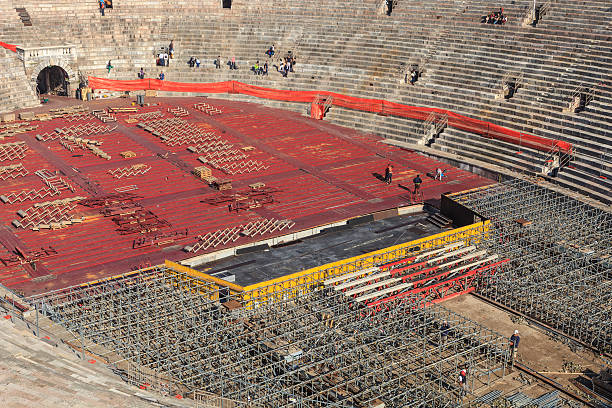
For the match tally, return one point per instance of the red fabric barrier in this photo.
(378, 106)
(9, 47)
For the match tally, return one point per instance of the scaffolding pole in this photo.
(560, 270)
(169, 332)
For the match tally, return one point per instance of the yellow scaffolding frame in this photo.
(297, 283)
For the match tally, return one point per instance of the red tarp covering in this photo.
(379, 106)
(9, 47)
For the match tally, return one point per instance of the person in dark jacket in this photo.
(444, 329)
(514, 343)
(389, 174)
(417, 183)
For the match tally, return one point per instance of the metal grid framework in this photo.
(560, 271)
(313, 350)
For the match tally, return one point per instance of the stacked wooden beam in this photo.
(179, 111)
(104, 116)
(13, 171)
(13, 151)
(134, 170)
(208, 109)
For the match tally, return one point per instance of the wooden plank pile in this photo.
(104, 116)
(13, 171)
(9, 130)
(134, 170)
(232, 234)
(147, 116)
(51, 216)
(13, 151)
(208, 109)
(203, 172)
(178, 112)
(123, 109)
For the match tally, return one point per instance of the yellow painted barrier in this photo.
(203, 276)
(292, 285)
(123, 275)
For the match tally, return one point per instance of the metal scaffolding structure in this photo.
(560, 270)
(168, 331)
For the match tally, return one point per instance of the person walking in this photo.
(171, 49)
(389, 174)
(102, 7)
(109, 66)
(162, 76)
(515, 339)
(444, 329)
(463, 382)
(417, 184)
(218, 62)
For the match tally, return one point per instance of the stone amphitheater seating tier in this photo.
(354, 49)
(36, 372)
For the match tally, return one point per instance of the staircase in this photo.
(433, 126)
(440, 221)
(24, 16)
(432, 275)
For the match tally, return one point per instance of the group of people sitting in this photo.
(414, 75)
(194, 62)
(496, 17)
(231, 63)
(163, 60)
(260, 69)
(285, 65)
(164, 57)
(142, 74)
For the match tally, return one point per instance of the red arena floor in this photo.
(146, 205)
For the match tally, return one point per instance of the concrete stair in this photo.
(439, 220)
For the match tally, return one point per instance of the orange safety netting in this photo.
(9, 47)
(379, 106)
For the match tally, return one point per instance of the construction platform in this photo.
(262, 262)
(110, 187)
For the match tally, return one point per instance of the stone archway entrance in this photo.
(52, 80)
